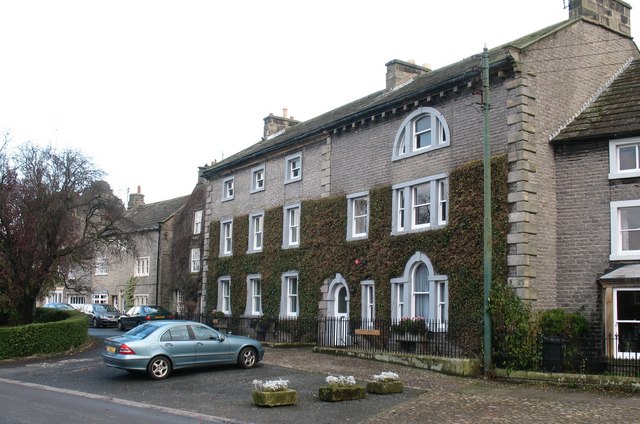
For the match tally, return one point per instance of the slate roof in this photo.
(432, 82)
(614, 114)
(149, 217)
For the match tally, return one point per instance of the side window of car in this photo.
(203, 333)
(179, 333)
(166, 337)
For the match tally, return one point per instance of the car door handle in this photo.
(200, 344)
(168, 344)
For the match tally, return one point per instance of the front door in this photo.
(339, 312)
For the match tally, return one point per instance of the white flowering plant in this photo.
(340, 381)
(386, 376)
(278, 385)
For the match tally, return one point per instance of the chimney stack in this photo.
(275, 124)
(136, 199)
(399, 72)
(614, 14)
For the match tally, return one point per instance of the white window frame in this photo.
(405, 143)
(178, 297)
(257, 184)
(289, 229)
(352, 218)
(254, 295)
(141, 267)
(76, 300)
(614, 158)
(403, 220)
(197, 221)
(224, 295)
(290, 170)
(101, 266)
(226, 237)
(368, 302)
(195, 259)
(290, 300)
(256, 232)
(228, 189)
(403, 294)
(140, 299)
(101, 298)
(616, 240)
(616, 322)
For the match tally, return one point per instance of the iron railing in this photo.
(611, 355)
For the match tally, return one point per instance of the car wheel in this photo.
(248, 357)
(159, 368)
(94, 323)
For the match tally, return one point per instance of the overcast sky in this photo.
(153, 89)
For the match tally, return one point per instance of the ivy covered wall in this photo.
(455, 250)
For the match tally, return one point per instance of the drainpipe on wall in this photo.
(158, 263)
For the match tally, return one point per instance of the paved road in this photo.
(224, 392)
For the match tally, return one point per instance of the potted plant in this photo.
(385, 383)
(410, 326)
(273, 393)
(341, 388)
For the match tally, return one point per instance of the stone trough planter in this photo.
(385, 387)
(278, 398)
(340, 393)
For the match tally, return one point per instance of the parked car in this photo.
(59, 305)
(159, 347)
(100, 314)
(143, 313)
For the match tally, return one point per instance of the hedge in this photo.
(44, 338)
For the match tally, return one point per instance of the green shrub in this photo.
(560, 323)
(50, 315)
(44, 338)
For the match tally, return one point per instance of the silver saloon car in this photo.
(158, 347)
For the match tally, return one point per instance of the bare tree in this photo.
(55, 215)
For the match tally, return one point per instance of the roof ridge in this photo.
(592, 99)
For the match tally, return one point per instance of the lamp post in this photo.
(488, 242)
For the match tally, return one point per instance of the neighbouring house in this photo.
(374, 209)
(164, 269)
(597, 159)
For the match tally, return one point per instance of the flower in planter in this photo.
(410, 325)
(385, 383)
(341, 388)
(386, 376)
(340, 380)
(271, 385)
(273, 393)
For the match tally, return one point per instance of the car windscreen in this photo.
(141, 331)
(156, 310)
(105, 308)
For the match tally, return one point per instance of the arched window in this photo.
(420, 292)
(423, 130)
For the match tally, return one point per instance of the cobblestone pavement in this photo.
(449, 399)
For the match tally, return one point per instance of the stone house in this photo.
(370, 210)
(599, 204)
(165, 267)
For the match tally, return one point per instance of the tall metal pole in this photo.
(488, 242)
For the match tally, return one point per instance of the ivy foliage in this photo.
(455, 250)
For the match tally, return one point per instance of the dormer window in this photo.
(422, 131)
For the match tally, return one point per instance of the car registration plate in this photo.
(111, 349)
(159, 316)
